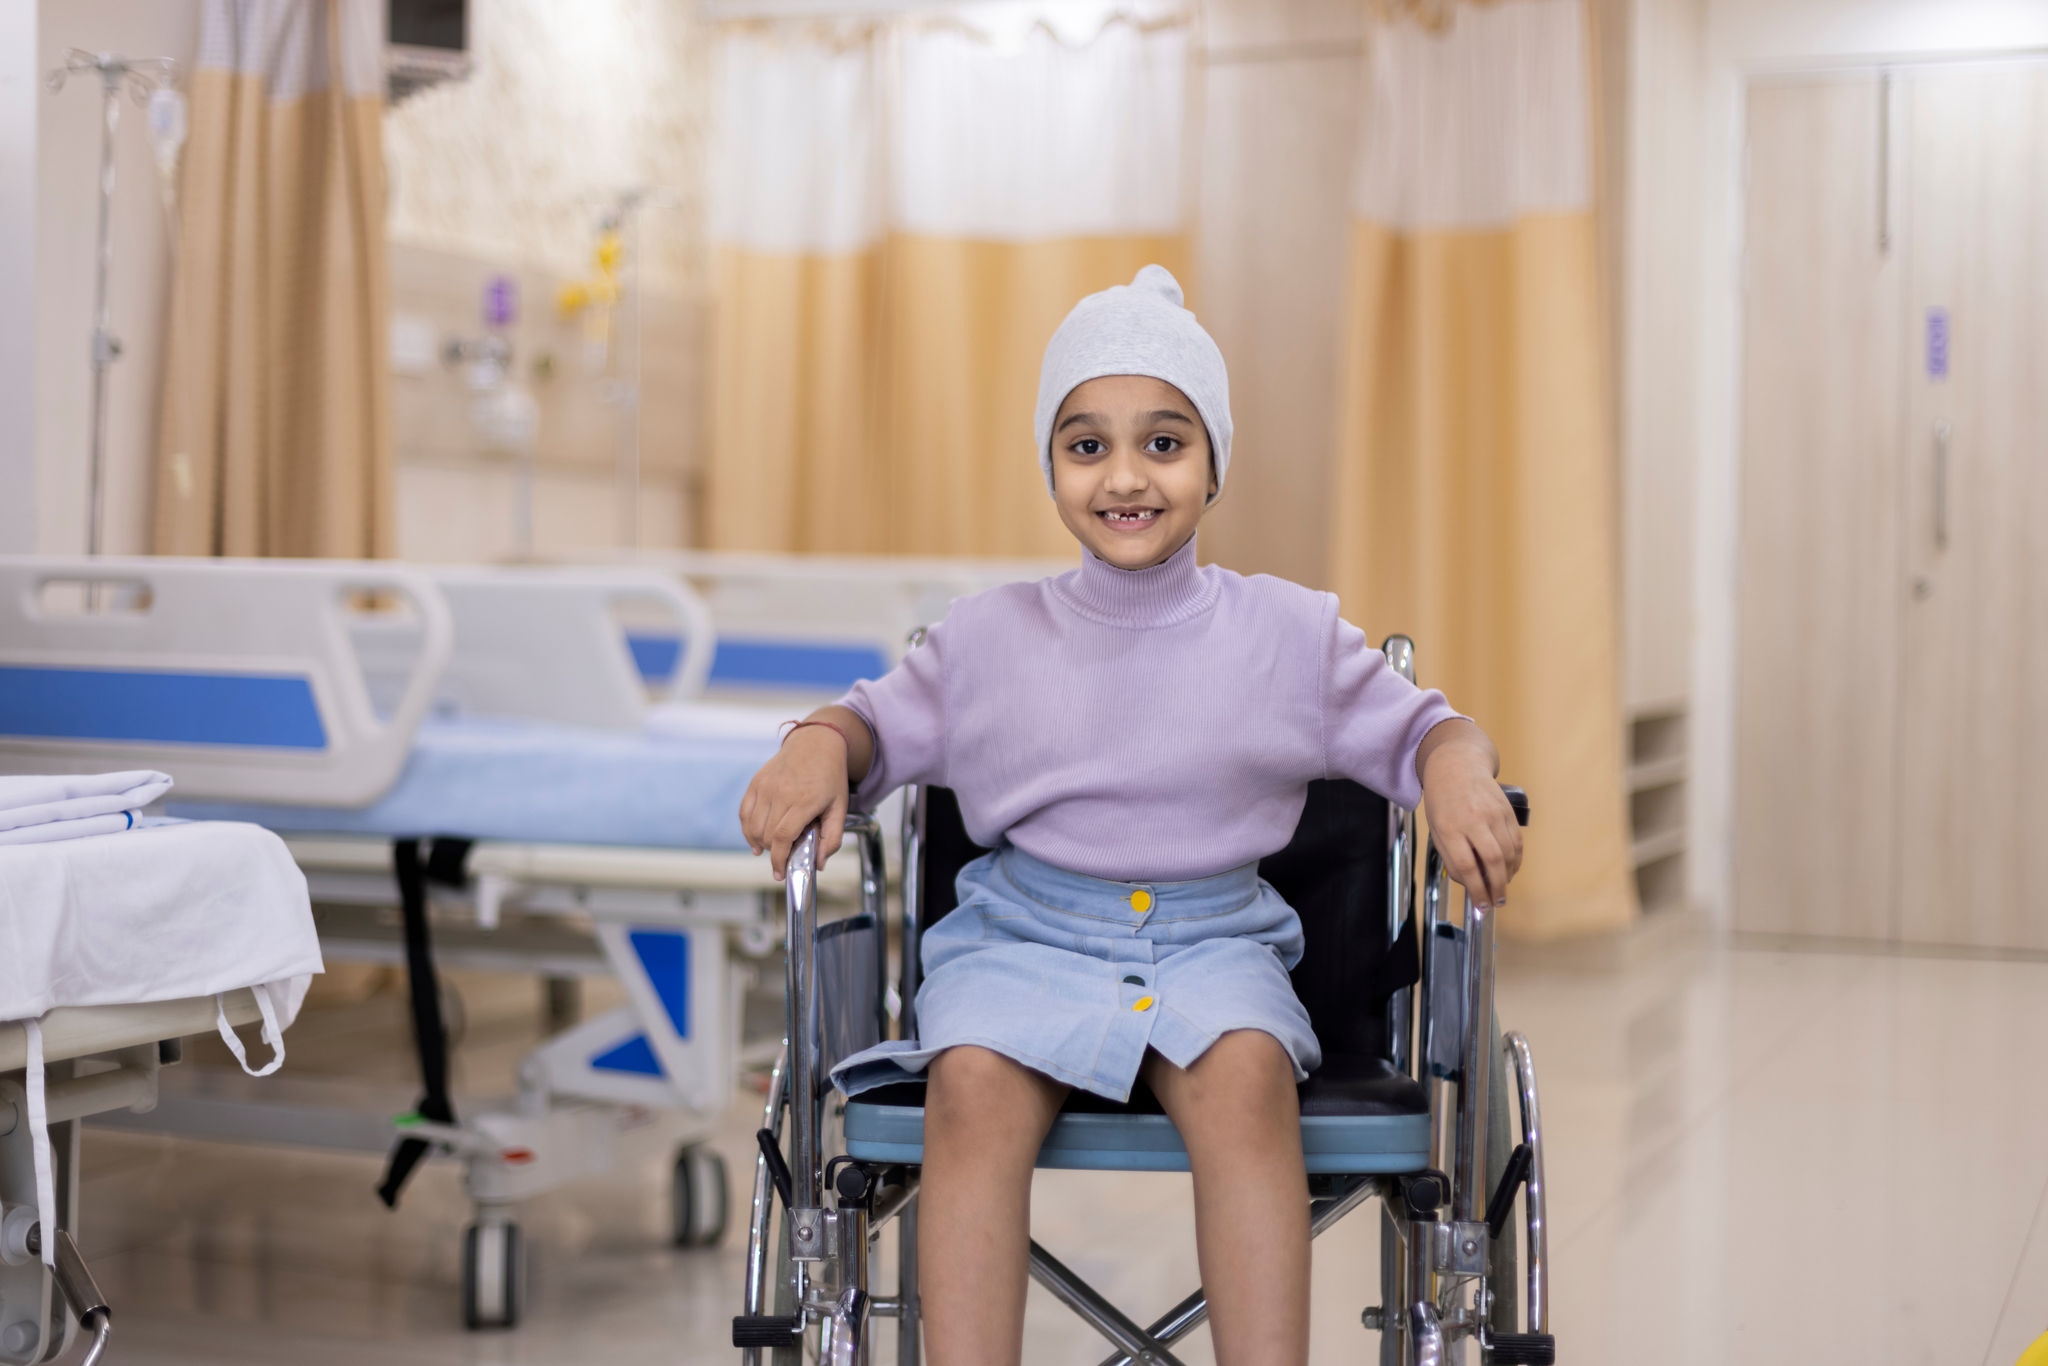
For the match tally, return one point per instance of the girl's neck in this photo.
(1171, 591)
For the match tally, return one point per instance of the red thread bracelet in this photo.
(795, 726)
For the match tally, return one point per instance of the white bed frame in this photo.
(100, 1059)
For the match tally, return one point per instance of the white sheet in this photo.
(157, 914)
(154, 914)
(40, 809)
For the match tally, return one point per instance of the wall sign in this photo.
(1937, 343)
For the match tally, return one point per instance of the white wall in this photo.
(17, 275)
(67, 136)
(1658, 360)
(1744, 37)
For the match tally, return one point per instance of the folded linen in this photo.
(36, 809)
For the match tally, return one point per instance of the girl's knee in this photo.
(972, 1082)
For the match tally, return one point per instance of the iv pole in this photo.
(142, 76)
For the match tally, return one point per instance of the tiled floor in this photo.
(1757, 1155)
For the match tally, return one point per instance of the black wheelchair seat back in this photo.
(1333, 873)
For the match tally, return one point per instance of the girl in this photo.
(1131, 738)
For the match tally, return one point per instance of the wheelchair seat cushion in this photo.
(1358, 1115)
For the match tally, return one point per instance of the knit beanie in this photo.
(1141, 328)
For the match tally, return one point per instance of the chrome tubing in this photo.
(758, 1228)
(1517, 1046)
(1475, 1066)
(1177, 1322)
(1425, 1334)
(1104, 1317)
(874, 902)
(805, 1043)
(102, 1331)
(850, 1311)
(1400, 653)
(87, 1304)
(912, 974)
(1436, 898)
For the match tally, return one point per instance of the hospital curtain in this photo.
(276, 419)
(1475, 499)
(904, 216)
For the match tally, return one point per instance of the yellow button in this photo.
(1142, 1003)
(1141, 901)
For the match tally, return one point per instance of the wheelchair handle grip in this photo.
(1519, 800)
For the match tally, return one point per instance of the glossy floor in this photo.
(1757, 1155)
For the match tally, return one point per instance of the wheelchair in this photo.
(1409, 1105)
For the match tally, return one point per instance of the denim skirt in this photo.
(1076, 977)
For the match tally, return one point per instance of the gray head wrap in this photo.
(1141, 328)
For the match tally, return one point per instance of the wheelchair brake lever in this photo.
(1511, 1177)
(778, 1170)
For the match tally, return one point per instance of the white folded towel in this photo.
(37, 809)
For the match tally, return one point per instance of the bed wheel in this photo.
(493, 1272)
(697, 1197)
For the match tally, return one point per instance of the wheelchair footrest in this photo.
(1524, 1349)
(772, 1330)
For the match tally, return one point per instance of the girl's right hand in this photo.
(806, 781)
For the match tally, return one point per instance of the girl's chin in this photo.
(1126, 551)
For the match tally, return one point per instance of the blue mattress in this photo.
(531, 782)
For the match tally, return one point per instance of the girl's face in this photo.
(1130, 468)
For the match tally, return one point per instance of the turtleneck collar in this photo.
(1165, 594)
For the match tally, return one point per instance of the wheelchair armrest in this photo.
(1519, 800)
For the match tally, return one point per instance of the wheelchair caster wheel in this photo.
(697, 1198)
(493, 1270)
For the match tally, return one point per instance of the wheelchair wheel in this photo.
(493, 1269)
(832, 1141)
(1503, 1261)
(698, 1197)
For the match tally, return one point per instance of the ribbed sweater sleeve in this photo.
(906, 711)
(1373, 719)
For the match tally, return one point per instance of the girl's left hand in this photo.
(1470, 818)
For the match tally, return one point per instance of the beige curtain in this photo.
(904, 212)
(276, 428)
(1475, 503)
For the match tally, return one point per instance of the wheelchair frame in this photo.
(1444, 1264)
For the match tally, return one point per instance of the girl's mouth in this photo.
(1129, 519)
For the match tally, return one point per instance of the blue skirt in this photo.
(1076, 976)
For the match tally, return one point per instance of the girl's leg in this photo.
(1237, 1111)
(984, 1119)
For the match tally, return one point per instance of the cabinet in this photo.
(1892, 702)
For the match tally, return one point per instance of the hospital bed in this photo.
(357, 709)
(121, 945)
(796, 630)
(506, 710)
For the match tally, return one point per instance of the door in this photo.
(1973, 741)
(1818, 597)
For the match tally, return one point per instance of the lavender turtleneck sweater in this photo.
(1150, 725)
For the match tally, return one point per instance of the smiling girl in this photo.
(1130, 739)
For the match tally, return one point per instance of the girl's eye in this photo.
(1163, 445)
(1088, 445)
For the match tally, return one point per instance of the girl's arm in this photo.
(811, 776)
(1470, 819)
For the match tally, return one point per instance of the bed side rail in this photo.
(566, 643)
(794, 627)
(237, 677)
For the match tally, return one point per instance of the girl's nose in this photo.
(1126, 474)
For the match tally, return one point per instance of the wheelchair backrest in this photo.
(1333, 872)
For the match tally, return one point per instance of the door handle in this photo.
(1941, 436)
